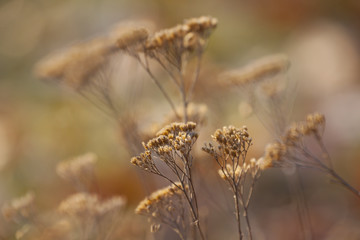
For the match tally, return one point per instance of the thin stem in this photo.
(323, 148)
(245, 207)
(183, 98)
(157, 83)
(194, 198)
(237, 209)
(248, 226)
(344, 183)
(197, 73)
(168, 71)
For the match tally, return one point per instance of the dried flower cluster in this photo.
(176, 137)
(171, 49)
(166, 206)
(91, 217)
(79, 64)
(266, 89)
(230, 155)
(263, 68)
(171, 44)
(196, 113)
(292, 145)
(130, 39)
(79, 171)
(85, 205)
(19, 209)
(294, 149)
(173, 146)
(313, 125)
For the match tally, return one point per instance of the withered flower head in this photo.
(274, 154)
(165, 206)
(201, 24)
(232, 141)
(314, 124)
(79, 169)
(84, 205)
(130, 37)
(183, 37)
(19, 208)
(260, 69)
(111, 206)
(76, 65)
(174, 137)
(79, 205)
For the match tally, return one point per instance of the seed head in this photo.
(165, 206)
(77, 65)
(79, 169)
(127, 38)
(263, 68)
(19, 208)
(79, 205)
(274, 153)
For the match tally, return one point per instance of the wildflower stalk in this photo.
(241, 175)
(237, 209)
(292, 150)
(173, 146)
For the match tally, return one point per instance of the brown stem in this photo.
(184, 101)
(157, 83)
(194, 198)
(344, 183)
(196, 77)
(246, 204)
(237, 209)
(248, 226)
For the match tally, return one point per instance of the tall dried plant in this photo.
(173, 146)
(295, 148)
(230, 154)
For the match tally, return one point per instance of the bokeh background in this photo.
(42, 123)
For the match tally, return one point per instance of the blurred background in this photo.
(42, 123)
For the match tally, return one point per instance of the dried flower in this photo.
(264, 84)
(84, 205)
(166, 206)
(111, 206)
(81, 205)
(260, 69)
(20, 208)
(173, 146)
(174, 137)
(79, 170)
(93, 214)
(78, 65)
(230, 155)
(293, 150)
(128, 38)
